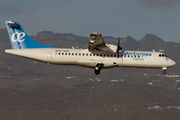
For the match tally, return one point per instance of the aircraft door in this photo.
(49, 56)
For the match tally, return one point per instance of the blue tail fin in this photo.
(19, 39)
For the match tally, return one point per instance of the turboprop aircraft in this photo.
(98, 55)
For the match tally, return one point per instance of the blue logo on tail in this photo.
(19, 39)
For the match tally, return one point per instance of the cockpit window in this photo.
(162, 55)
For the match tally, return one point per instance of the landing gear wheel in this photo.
(97, 69)
(164, 71)
(97, 72)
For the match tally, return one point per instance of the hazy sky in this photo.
(117, 18)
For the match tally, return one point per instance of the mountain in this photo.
(33, 90)
(18, 68)
(130, 43)
(3, 33)
(151, 39)
(61, 40)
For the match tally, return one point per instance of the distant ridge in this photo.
(151, 39)
(130, 43)
(49, 35)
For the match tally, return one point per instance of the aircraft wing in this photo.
(96, 42)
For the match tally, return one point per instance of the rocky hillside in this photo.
(34, 90)
(151, 39)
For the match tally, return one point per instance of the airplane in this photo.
(98, 55)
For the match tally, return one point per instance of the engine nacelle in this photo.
(109, 48)
(112, 47)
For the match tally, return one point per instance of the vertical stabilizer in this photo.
(19, 39)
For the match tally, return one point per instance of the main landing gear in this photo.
(97, 68)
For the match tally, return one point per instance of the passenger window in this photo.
(90, 54)
(69, 53)
(97, 54)
(65, 53)
(111, 55)
(86, 54)
(104, 55)
(83, 54)
(114, 55)
(76, 54)
(107, 55)
(72, 53)
(100, 54)
(62, 53)
(59, 53)
(159, 55)
(79, 54)
(93, 54)
(138, 56)
(135, 56)
(128, 55)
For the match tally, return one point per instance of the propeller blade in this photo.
(118, 48)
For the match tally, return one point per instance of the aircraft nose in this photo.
(172, 63)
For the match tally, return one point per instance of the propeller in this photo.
(118, 48)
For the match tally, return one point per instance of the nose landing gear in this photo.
(164, 70)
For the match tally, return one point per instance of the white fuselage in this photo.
(83, 57)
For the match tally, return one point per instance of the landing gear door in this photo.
(49, 56)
